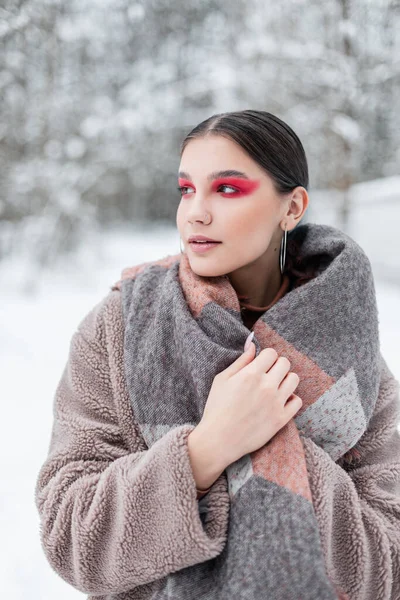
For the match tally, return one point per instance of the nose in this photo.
(198, 210)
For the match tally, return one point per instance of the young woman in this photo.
(182, 464)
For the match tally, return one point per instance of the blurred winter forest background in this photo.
(96, 98)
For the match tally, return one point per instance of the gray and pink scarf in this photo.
(182, 329)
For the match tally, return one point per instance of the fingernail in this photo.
(248, 341)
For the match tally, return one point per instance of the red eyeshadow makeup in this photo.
(186, 183)
(244, 186)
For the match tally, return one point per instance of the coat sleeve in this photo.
(112, 519)
(357, 503)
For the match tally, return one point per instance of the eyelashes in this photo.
(180, 189)
(240, 186)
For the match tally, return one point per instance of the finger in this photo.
(278, 371)
(288, 385)
(293, 405)
(244, 359)
(265, 360)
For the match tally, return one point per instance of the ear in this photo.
(297, 205)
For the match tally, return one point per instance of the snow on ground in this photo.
(34, 340)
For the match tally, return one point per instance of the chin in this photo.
(207, 270)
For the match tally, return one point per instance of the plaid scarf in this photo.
(182, 329)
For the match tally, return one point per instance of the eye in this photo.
(224, 185)
(180, 189)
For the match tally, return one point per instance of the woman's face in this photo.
(242, 211)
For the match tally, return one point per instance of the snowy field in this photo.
(36, 328)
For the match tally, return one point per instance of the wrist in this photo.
(205, 460)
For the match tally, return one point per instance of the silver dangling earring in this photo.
(282, 256)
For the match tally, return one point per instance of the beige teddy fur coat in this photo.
(116, 518)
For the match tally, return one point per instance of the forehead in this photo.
(217, 174)
(208, 156)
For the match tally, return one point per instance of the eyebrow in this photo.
(217, 174)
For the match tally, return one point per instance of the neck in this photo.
(258, 283)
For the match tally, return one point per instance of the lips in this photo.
(202, 238)
(203, 246)
(203, 242)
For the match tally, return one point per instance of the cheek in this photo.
(248, 217)
(240, 217)
(179, 216)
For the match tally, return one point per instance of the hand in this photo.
(249, 402)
